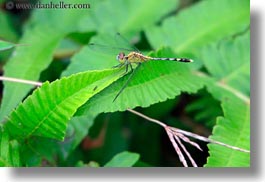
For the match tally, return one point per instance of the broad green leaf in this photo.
(42, 37)
(61, 19)
(9, 150)
(204, 22)
(232, 129)
(89, 59)
(123, 159)
(47, 111)
(229, 62)
(153, 82)
(125, 15)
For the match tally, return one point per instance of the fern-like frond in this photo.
(232, 129)
(47, 111)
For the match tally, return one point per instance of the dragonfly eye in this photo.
(120, 56)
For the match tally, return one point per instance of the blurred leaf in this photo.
(81, 126)
(124, 159)
(57, 101)
(27, 62)
(232, 129)
(90, 164)
(202, 23)
(88, 59)
(229, 62)
(66, 49)
(7, 31)
(139, 129)
(141, 164)
(154, 81)
(9, 150)
(161, 109)
(125, 15)
(111, 135)
(204, 114)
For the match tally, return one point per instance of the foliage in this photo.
(9, 150)
(231, 129)
(71, 120)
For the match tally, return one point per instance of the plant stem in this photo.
(20, 81)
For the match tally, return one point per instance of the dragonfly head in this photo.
(120, 57)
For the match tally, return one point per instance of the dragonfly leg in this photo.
(129, 79)
(131, 67)
(118, 66)
(126, 68)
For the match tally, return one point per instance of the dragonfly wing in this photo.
(120, 40)
(108, 49)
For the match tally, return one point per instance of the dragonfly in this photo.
(133, 56)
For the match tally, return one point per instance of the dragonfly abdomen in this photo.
(173, 59)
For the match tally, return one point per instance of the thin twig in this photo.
(20, 81)
(193, 135)
(186, 152)
(187, 140)
(176, 147)
(205, 139)
(147, 118)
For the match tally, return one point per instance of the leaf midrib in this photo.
(234, 72)
(54, 109)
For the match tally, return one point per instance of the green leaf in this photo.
(127, 16)
(88, 59)
(228, 62)
(232, 129)
(42, 37)
(123, 159)
(9, 150)
(7, 31)
(204, 22)
(204, 114)
(154, 81)
(47, 111)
